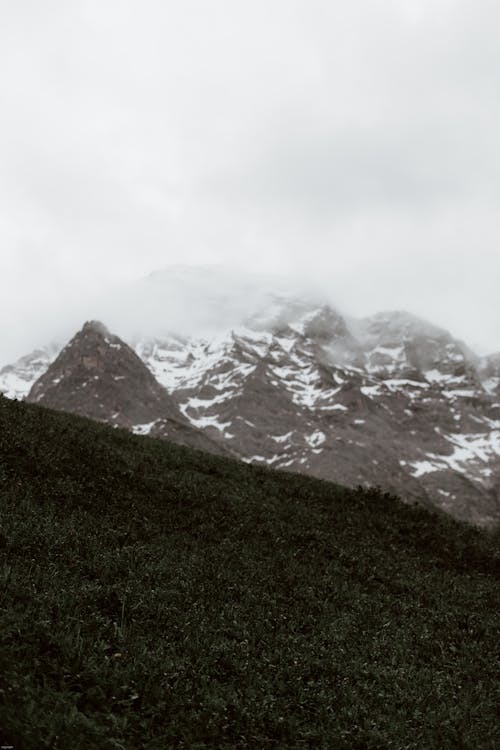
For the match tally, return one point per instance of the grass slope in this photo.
(156, 597)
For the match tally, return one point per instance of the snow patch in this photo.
(316, 439)
(282, 438)
(143, 429)
(395, 384)
(468, 452)
(334, 407)
(459, 393)
(204, 422)
(371, 390)
(424, 467)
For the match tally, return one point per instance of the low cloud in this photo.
(350, 143)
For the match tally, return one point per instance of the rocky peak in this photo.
(389, 400)
(95, 327)
(325, 325)
(399, 343)
(97, 373)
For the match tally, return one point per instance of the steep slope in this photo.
(159, 597)
(98, 376)
(389, 400)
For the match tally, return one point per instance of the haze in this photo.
(353, 145)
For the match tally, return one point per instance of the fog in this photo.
(351, 145)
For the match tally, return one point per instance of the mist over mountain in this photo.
(279, 377)
(203, 300)
(97, 375)
(249, 300)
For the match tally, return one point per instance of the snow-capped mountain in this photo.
(97, 375)
(16, 379)
(400, 404)
(388, 400)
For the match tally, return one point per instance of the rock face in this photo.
(98, 376)
(387, 400)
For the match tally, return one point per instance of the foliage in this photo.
(152, 596)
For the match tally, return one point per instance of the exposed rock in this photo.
(97, 375)
(401, 404)
(388, 400)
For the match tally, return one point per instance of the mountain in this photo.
(16, 379)
(159, 597)
(98, 376)
(387, 400)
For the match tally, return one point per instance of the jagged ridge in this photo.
(388, 400)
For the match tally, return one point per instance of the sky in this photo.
(349, 143)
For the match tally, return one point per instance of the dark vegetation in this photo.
(152, 596)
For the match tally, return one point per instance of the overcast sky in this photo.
(353, 142)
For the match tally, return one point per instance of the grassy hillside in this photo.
(155, 597)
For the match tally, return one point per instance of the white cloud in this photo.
(351, 142)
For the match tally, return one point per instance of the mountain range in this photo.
(387, 400)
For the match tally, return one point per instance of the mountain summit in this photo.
(387, 400)
(97, 375)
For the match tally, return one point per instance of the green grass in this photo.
(156, 597)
